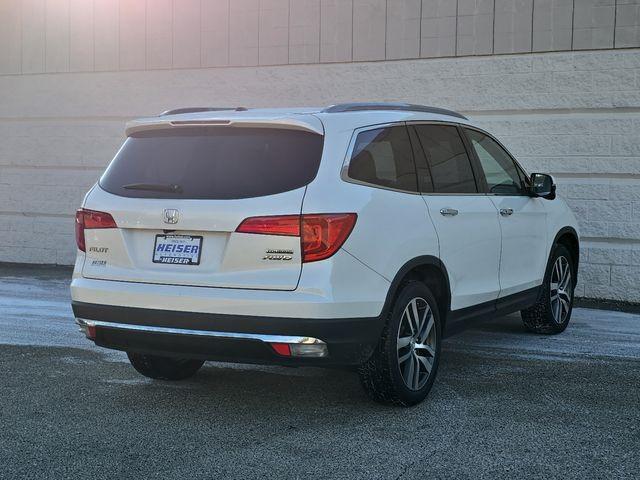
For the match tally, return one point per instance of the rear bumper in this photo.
(232, 338)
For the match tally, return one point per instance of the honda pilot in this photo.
(353, 235)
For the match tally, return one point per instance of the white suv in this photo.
(349, 235)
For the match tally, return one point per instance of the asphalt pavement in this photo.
(506, 404)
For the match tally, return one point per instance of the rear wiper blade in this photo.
(154, 187)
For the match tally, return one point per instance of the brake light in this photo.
(321, 235)
(91, 219)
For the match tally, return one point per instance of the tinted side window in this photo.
(383, 157)
(447, 158)
(499, 169)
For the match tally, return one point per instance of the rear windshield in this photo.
(213, 163)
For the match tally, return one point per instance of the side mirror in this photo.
(542, 185)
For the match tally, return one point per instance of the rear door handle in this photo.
(505, 212)
(448, 212)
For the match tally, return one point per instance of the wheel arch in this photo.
(568, 237)
(429, 270)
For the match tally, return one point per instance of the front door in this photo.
(522, 217)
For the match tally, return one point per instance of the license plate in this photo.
(177, 249)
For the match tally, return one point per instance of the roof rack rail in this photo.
(357, 107)
(177, 111)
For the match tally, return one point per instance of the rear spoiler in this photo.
(307, 124)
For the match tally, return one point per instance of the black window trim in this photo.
(519, 168)
(344, 172)
(476, 166)
(418, 151)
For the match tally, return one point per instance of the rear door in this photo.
(522, 217)
(178, 194)
(465, 219)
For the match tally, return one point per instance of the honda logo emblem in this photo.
(171, 216)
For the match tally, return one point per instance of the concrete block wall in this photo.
(73, 71)
(594, 159)
(573, 114)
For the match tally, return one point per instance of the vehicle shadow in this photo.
(503, 324)
(273, 390)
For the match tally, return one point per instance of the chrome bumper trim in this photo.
(84, 323)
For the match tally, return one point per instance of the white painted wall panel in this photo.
(274, 32)
(244, 36)
(57, 36)
(552, 25)
(10, 37)
(369, 29)
(81, 26)
(186, 33)
(304, 31)
(627, 33)
(439, 28)
(106, 39)
(33, 36)
(133, 18)
(403, 29)
(215, 33)
(336, 30)
(593, 24)
(113, 35)
(159, 37)
(475, 27)
(513, 26)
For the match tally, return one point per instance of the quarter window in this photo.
(383, 156)
(447, 158)
(499, 169)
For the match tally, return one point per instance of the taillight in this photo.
(287, 225)
(321, 234)
(91, 219)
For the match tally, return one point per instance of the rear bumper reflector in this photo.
(282, 349)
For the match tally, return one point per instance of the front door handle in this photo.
(448, 212)
(505, 212)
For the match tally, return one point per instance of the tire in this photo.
(551, 314)
(164, 368)
(387, 375)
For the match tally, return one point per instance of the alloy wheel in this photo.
(561, 289)
(416, 343)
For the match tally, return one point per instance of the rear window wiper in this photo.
(154, 187)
